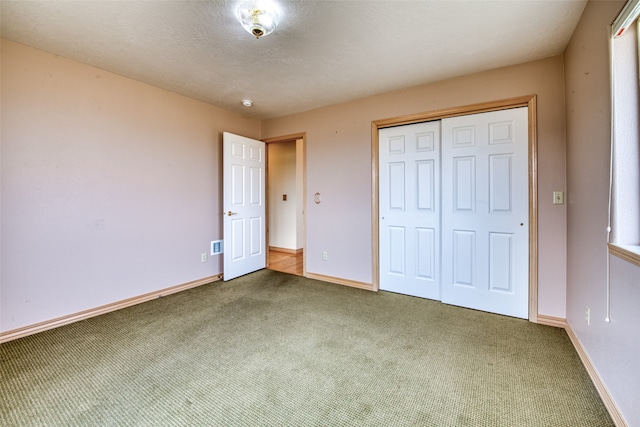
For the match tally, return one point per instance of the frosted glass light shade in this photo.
(259, 18)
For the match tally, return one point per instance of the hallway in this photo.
(285, 262)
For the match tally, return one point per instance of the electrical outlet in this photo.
(204, 257)
(324, 256)
(587, 316)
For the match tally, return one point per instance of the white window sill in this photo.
(630, 253)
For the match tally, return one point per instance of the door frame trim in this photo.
(529, 101)
(288, 138)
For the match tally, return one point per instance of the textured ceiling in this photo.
(324, 52)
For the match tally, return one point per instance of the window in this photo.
(625, 161)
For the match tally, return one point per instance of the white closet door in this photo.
(409, 206)
(485, 212)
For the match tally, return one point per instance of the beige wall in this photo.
(338, 166)
(110, 187)
(613, 347)
(282, 180)
(300, 194)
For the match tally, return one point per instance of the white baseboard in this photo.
(103, 309)
(616, 416)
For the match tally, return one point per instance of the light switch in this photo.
(558, 198)
(284, 197)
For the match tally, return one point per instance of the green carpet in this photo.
(271, 349)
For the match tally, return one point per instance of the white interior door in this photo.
(485, 212)
(243, 172)
(409, 207)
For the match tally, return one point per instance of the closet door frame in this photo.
(523, 101)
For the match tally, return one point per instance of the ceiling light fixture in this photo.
(258, 17)
(247, 102)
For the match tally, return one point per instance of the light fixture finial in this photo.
(259, 18)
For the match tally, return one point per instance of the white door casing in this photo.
(409, 209)
(244, 203)
(485, 212)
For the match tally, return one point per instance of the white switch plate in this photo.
(558, 198)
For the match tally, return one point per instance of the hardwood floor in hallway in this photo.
(286, 262)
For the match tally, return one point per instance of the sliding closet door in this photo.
(485, 212)
(409, 207)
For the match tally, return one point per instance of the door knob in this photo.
(231, 213)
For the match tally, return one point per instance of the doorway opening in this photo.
(285, 197)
